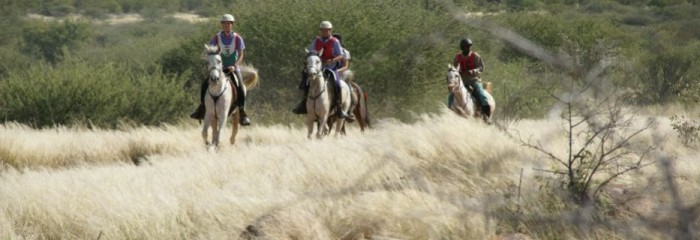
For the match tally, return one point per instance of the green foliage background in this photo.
(148, 72)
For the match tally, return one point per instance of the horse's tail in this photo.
(362, 102)
(250, 76)
(349, 76)
(488, 87)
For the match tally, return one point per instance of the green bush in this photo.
(688, 130)
(82, 92)
(669, 71)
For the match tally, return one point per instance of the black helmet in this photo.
(465, 42)
(339, 37)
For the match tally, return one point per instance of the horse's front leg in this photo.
(205, 130)
(309, 126)
(322, 127)
(340, 128)
(235, 120)
(215, 130)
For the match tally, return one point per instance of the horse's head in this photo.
(313, 63)
(215, 63)
(454, 80)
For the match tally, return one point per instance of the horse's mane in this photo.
(208, 49)
(451, 68)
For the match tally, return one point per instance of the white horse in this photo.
(220, 97)
(321, 93)
(464, 102)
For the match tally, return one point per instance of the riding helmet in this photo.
(227, 18)
(325, 25)
(465, 42)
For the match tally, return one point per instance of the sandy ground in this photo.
(117, 18)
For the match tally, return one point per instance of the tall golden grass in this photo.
(442, 177)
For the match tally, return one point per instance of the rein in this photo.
(459, 85)
(216, 97)
(223, 90)
(323, 89)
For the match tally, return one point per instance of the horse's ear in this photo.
(449, 66)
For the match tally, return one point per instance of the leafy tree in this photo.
(50, 40)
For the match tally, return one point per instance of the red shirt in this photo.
(466, 63)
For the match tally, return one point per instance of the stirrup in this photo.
(341, 114)
(244, 120)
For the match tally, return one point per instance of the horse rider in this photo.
(471, 65)
(332, 53)
(343, 66)
(231, 48)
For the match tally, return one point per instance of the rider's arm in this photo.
(337, 52)
(479, 65)
(241, 46)
(345, 61)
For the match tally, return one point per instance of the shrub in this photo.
(666, 72)
(81, 92)
(688, 130)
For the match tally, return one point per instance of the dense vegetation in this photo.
(83, 71)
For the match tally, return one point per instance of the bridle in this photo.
(459, 84)
(219, 69)
(318, 74)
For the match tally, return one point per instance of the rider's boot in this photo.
(486, 113)
(245, 121)
(351, 110)
(339, 104)
(199, 112)
(301, 107)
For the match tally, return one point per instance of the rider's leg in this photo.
(241, 92)
(485, 108)
(450, 100)
(304, 86)
(199, 112)
(339, 99)
(353, 102)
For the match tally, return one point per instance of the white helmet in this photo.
(326, 24)
(227, 18)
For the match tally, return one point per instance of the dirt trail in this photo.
(117, 18)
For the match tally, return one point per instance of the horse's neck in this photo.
(318, 85)
(218, 87)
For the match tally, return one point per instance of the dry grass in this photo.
(440, 178)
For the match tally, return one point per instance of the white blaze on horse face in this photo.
(215, 66)
(453, 78)
(215, 61)
(214, 74)
(313, 64)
